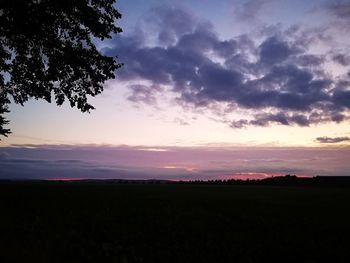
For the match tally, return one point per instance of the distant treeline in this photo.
(287, 180)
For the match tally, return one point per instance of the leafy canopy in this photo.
(47, 51)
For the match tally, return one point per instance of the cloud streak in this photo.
(332, 139)
(171, 163)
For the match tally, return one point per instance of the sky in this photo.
(209, 89)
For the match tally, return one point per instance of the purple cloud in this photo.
(141, 93)
(341, 9)
(277, 81)
(342, 59)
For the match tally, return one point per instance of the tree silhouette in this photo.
(47, 51)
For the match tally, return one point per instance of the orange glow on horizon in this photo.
(65, 179)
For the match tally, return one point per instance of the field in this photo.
(104, 222)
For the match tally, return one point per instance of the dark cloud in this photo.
(341, 97)
(281, 118)
(142, 93)
(340, 9)
(53, 169)
(340, 12)
(4, 155)
(278, 78)
(276, 50)
(342, 59)
(309, 60)
(332, 139)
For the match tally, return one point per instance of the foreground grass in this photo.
(75, 222)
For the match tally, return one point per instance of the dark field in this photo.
(100, 222)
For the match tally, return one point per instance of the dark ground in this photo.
(105, 222)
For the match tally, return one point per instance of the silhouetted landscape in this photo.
(287, 180)
(284, 219)
(219, 131)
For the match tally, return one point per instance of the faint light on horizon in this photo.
(154, 149)
(189, 169)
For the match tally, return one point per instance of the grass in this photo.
(100, 222)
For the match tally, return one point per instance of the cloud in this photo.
(332, 139)
(340, 12)
(274, 81)
(142, 93)
(341, 9)
(170, 23)
(4, 155)
(275, 50)
(249, 10)
(264, 120)
(181, 121)
(342, 59)
(140, 162)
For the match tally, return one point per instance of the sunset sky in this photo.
(209, 89)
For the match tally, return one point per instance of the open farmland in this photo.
(104, 222)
